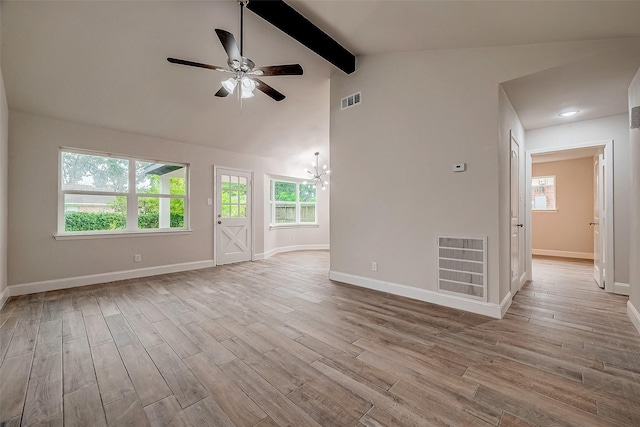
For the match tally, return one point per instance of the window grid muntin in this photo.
(297, 204)
(131, 196)
(237, 204)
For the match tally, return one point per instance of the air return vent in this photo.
(462, 266)
(351, 100)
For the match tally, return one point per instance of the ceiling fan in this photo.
(245, 73)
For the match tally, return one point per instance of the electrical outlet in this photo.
(374, 266)
(137, 258)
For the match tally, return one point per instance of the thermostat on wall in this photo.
(459, 167)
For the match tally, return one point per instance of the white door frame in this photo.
(217, 208)
(609, 206)
(522, 266)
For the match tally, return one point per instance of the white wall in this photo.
(35, 256)
(393, 190)
(4, 144)
(634, 253)
(614, 128)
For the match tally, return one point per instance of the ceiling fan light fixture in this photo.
(229, 85)
(247, 86)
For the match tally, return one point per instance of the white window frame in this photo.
(555, 194)
(132, 199)
(298, 204)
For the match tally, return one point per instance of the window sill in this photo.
(276, 227)
(86, 236)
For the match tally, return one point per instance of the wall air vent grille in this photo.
(462, 266)
(351, 101)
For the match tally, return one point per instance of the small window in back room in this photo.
(543, 193)
(293, 203)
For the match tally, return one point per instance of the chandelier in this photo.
(318, 176)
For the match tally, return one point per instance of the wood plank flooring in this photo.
(275, 343)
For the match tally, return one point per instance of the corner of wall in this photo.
(634, 251)
(4, 179)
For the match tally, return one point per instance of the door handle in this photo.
(219, 222)
(519, 225)
(593, 223)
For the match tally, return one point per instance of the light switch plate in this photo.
(459, 167)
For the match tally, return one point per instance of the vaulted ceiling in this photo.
(104, 63)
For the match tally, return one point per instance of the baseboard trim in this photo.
(505, 304)
(478, 307)
(73, 282)
(4, 296)
(562, 254)
(633, 315)
(621, 288)
(272, 252)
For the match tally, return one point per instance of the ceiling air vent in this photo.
(351, 100)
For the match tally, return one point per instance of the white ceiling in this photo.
(596, 87)
(376, 26)
(104, 62)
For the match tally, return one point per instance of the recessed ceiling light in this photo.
(569, 113)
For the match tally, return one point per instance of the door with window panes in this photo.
(233, 216)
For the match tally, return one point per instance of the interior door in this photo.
(233, 216)
(599, 220)
(517, 235)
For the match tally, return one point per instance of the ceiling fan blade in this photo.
(229, 44)
(195, 64)
(268, 90)
(278, 70)
(222, 92)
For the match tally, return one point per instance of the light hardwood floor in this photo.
(275, 343)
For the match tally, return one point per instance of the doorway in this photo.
(579, 218)
(233, 219)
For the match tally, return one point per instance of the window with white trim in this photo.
(108, 193)
(292, 203)
(543, 193)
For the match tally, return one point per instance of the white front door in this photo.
(599, 219)
(517, 235)
(233, 216)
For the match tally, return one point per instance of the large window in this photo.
(107, 193)
(543, 193)
(292, 203)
